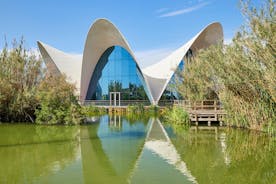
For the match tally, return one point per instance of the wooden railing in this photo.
(199, 105)
(106, 103)
(203, 111)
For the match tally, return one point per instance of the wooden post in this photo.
(196, 121)
(110, 99)
(119, 99)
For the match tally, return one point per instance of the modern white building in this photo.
(109, 65)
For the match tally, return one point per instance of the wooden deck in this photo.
(207, 111)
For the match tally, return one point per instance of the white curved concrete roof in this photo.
(159, 74)
(59, 62)
(103, 35)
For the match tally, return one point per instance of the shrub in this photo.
(90, 111)
(177, 116)
(57, 102)
(136, 109)
(20, 73)
(153, 110)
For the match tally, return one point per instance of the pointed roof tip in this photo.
(40, 44)
(215, 23)
(102, 20)
(212, 23)
(44, 45)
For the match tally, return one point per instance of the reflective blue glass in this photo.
(116, 71)
(170, 92)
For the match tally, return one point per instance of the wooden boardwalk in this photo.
(203, 111)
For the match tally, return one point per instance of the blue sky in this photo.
(150, 26)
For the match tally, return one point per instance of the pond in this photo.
(115, 149)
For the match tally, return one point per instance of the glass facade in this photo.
(116, 71)
(170, 92)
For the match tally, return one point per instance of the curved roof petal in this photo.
(163, 70)
(59, 62)
(102, 35)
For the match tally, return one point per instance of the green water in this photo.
(115, 150)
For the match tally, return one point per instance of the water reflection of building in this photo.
(138, 150)
(108, 156)
(159, 147)
(114, 122)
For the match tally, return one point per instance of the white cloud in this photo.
(149, 57)
(185, 10)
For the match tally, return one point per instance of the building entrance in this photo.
(115, 99)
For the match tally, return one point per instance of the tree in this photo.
(20, 72)
(26, 94)
(243, 74)
(57, 102)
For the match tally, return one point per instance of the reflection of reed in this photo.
(223, 144)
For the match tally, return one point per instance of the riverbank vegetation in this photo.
(20, 74)
(177, 117)
(242, 74)
(135, 109)
(29, 94)
(139, 111)
(90, 111)
(57, 103)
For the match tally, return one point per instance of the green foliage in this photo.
(20, 73)
(177, 116)
(242, 74)
(27, 95)
(90, 111)
(153, 110)
(136, 109)
(58, 103)
(139, 112)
